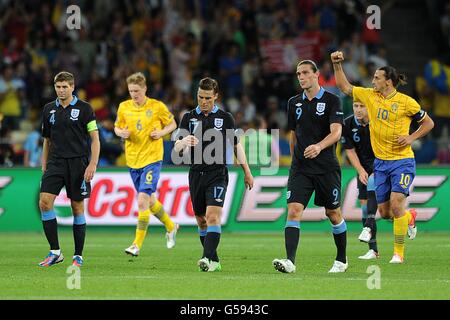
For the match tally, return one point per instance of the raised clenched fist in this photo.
(337, 56)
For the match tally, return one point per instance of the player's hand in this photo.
(125, 133)
(44, 168)
(89, 172)
(337, 56)
(156, 134)
(312, 151)
(404, 140)
(363, 177)
(248, 180)
(190, 141)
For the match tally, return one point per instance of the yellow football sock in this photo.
(400, 230)
(141, 228)
(158, 211)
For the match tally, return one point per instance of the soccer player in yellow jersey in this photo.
(390, 115)
(142, 122)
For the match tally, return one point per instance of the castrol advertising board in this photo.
(113, 200)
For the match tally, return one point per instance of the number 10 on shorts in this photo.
(405, 180)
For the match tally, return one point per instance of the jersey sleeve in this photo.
(291, 116)
(90, 120)
(45, 125)
(120, 120)
(414, 110)
(165, 115)
(336, 112)
(346, 138)
(362, 94)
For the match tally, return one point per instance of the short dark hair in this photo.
(64, 76)
(209, 84)
(310, 62)
(391, 74)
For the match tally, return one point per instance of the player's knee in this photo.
(45, 204)
(294, 213)
(77, 207)
(331, 213)
(143, 205)
(212, 219)
(397, 210)
(152, 201)
(201, 222)
(334, 215)
(384, 212)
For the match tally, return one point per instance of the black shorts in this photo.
(327, 187)
(207, 188)
(69, 173)
(362, 190)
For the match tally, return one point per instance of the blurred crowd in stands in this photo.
(250, 46)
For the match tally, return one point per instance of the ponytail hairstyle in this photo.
(391, 74)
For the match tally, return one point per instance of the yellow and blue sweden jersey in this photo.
(140, 149)
(390, 118)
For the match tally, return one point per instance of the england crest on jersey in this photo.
(320, 108)
(218, 123)
(74, 113)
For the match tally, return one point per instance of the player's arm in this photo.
(167, 122)
(45, 150)
(45, 133)
(314, 150)
(169, 128)
(95, 154)
(183, 138)
(120, 127)
(341, 80)
(185, 143)
(123, 133)
(426, 124)
(242, 161)
(292, 142)
(239, 151)
(414, 111)
(354, 160)
(291, 127)
(157, 134)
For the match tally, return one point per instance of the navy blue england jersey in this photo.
(68, 128)
(209, 154)
(356, 136)
(311, 120)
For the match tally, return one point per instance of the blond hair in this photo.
(137, 78)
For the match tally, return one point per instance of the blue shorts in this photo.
(393, 176)
(146, 179)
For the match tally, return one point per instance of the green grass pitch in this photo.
(159, 273)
